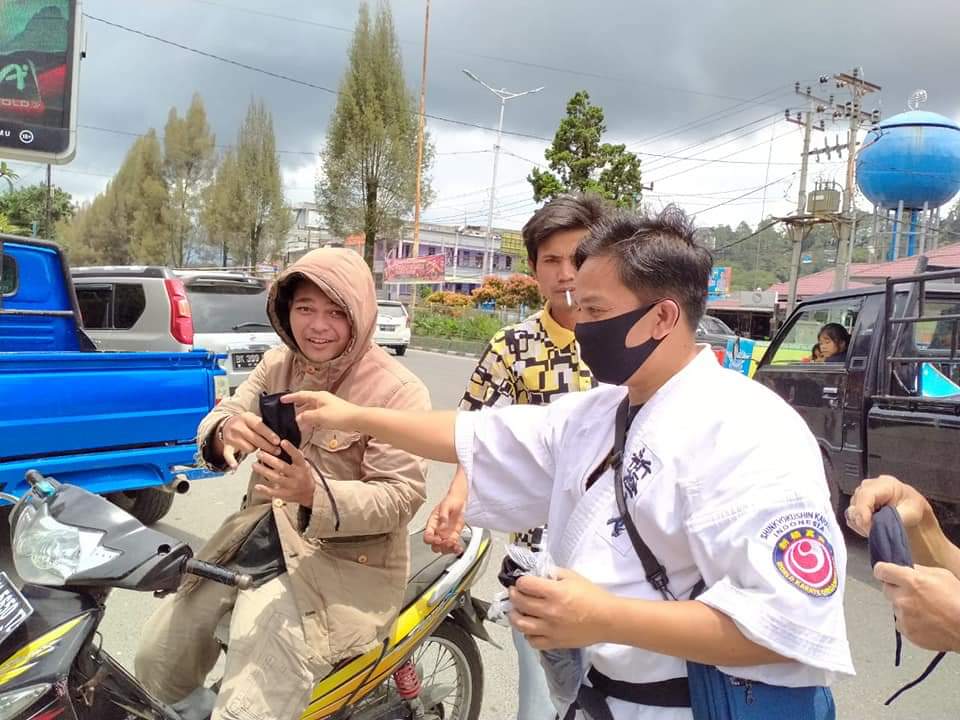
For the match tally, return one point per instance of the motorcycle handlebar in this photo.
(218, 574)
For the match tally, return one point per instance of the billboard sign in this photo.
(424, 269)
(719, 281)
(40, 44)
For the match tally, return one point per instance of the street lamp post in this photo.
(504, 95)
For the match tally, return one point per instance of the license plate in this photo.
(246, 361)
(388, 328)
(14, 607)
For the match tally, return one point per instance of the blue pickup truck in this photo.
(119, 424)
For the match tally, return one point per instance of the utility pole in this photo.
(504, 95)
(803, 221)
(798, 231)
(415, 252)
(853, 111)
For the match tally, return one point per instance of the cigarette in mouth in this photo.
(569, 298)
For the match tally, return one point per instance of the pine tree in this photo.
(369, 174)
(188, 166)
(580, 162)
(245, 205)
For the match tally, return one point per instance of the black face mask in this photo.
(603, 346)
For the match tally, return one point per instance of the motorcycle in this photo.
(71, 547)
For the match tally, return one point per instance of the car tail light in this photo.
(181, 319)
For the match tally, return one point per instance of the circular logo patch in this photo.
(805, 559)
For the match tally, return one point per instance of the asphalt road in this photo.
(869, 620)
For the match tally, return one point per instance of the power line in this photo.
(723, 157)
(130, 133)
(748, 237)
(751, 192)
(709, 118)
(322, 88)
(300, 20)
(657, 166)
(291, 79)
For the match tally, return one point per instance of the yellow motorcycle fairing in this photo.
(362, 675)
(27, 657)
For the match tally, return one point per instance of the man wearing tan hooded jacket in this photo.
(339, 511)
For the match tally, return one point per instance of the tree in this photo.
(26, 206)
(220, 199)
(369, 174)
(125, 223)
(517, 290)
(580, 162)
(188, 165)
(246, 207)
(521, 291)
(8, 227)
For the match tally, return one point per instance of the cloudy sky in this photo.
(708, 80)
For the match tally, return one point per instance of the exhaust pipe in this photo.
(179, 485)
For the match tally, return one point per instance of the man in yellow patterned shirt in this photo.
(534, 361)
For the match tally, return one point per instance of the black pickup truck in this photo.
(891, 405)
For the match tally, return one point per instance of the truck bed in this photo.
(917, 440)
(103, 420)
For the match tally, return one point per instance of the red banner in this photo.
(424, 269)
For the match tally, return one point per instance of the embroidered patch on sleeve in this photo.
(805, 559)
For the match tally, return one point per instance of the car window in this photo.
(8, 278)
(391, 310)
(129, 302)
(721, 327)
(227, 308)
(797, 344)
(96, 306)
(936, 336)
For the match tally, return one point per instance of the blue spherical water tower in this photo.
(910, 163)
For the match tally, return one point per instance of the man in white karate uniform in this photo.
(741, 504)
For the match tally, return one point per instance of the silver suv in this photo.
(158, 309)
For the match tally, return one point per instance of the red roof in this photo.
(946, 256)
(866, 274)
(815, 283)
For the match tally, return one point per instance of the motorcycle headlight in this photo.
(47, 552)
(16, 701)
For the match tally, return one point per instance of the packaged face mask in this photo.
(564, 668)
(282, 419)
(888, 543)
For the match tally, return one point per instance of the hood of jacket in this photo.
(345, 278)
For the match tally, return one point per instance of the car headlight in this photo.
(16, 701)
(47, 552)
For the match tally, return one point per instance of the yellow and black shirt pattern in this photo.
(533, 362)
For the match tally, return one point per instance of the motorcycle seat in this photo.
(426, 567)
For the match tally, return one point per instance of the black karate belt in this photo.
(592, 699)
(888, 543)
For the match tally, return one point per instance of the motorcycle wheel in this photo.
(452, 650)
(448, 657)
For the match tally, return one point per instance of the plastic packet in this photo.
(563, 668)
